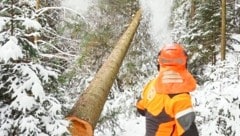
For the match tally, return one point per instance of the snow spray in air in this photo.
(158, 12)
(81, 6)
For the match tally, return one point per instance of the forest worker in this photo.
(165, 101)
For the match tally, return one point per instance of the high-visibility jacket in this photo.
(167, 114)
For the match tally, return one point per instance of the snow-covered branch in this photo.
(54, 47)
(42, 10)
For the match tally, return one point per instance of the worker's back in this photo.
(161, 111)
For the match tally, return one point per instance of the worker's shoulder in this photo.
(150, 83)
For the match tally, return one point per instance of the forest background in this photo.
(51, 51)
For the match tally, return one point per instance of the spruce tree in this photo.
(26, 105)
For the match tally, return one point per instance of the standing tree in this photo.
(27, 106)
(223, 30)
(200, 31)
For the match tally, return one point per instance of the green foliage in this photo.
(237, 19)
(75, 29)
(200, 33)
(205, 29)
(27, 84)
(233, 18)
(5, 75)
(24, 94)
(203, 37)
(222, 102)
(197, 24)
(15, 16)
(67, 76)
(119, 6)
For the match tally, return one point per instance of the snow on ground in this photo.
(134, 127)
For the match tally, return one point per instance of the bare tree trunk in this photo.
(12, 17)
(193, 8)
(223, 31)
(87, 110)
(38, 2)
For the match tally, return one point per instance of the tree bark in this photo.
(193, 8)
(38, 3)
(12, 17)
(223, 31)
(87, 110)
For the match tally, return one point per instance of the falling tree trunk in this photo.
(87, 110)
(223, 31)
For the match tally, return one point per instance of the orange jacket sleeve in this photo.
(142, 102)
(183, 112)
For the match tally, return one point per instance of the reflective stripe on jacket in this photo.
(166, 114)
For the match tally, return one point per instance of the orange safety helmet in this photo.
(173, 75)
(172, 55)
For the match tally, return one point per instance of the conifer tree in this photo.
(26, 104)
